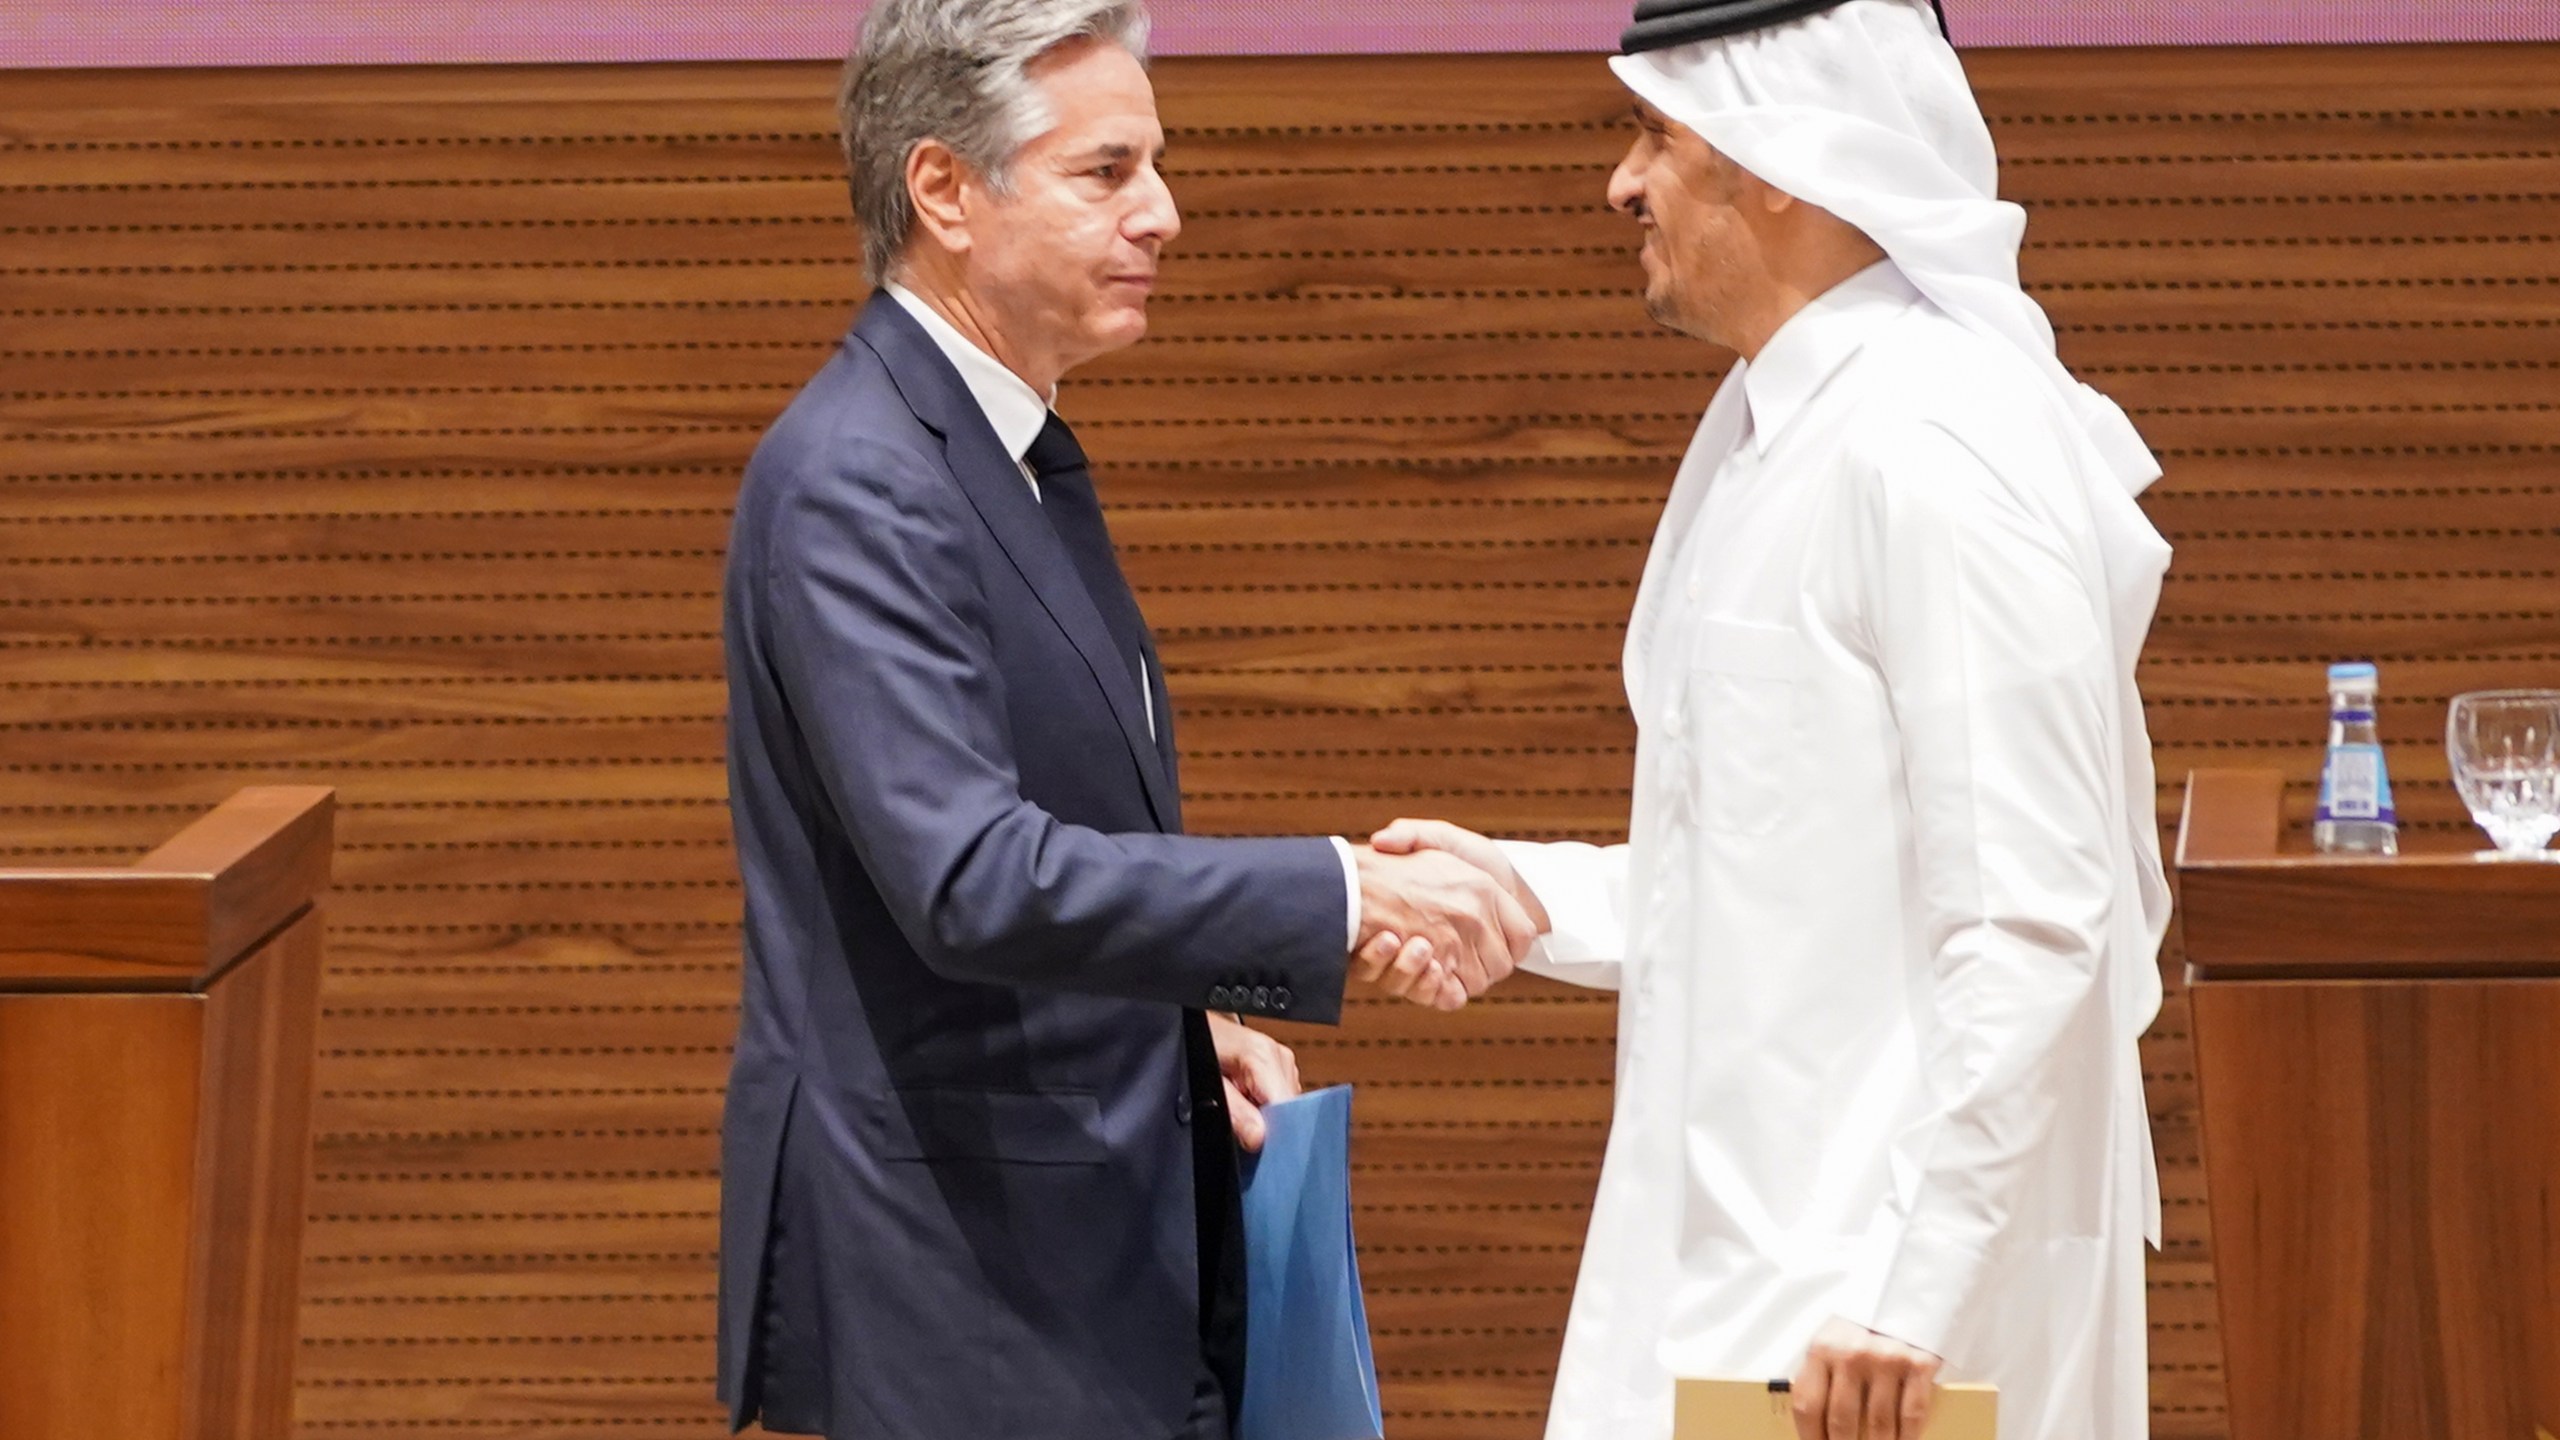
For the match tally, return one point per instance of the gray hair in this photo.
(954, 71)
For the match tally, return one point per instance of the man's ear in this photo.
(938, 185)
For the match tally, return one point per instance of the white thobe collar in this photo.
(1753, 407)
(1012, 407)
(1814, 343)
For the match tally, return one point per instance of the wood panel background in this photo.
(378, 428)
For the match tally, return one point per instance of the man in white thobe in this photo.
(1885, 930)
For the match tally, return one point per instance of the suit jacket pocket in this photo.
(1026, 1127)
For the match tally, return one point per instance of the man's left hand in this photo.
(1259, 1071)
(1859, 1385)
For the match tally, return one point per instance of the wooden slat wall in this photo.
(378, 428)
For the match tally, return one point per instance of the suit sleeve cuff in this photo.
(1350, 892)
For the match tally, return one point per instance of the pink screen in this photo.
(340, 32)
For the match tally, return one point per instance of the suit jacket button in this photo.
(1280, 997)
(1261, 997)
(1182, 1109)
(1218, 997)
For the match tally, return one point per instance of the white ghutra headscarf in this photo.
(1864, 111)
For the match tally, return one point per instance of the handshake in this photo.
(1443, 916)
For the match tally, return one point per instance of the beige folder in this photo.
(1751, 1410)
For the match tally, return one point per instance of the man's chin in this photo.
(1125, 326)
(1663, 310)
(1117, 329)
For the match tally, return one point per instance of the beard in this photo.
(1666, 306)
(1661, 309)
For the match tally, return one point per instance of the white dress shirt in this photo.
(1017, 413)
(1878, 932)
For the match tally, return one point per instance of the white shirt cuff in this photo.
(1350, 890)
(1574, 883)
(1582, 888)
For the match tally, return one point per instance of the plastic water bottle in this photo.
(2355, 815)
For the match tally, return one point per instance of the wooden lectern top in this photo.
(2378, 1107)
(2250, 911)
(179, 916)
(157, 1031)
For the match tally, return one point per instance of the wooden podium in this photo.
(156, 1034)
(2378, 1054)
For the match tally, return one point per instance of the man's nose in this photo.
(1156, 218)
(1626, 189)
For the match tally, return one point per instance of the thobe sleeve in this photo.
(1996, 663)
(1584, 889)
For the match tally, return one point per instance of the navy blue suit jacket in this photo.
(958, 1192)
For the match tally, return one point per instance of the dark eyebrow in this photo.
(1114, 153)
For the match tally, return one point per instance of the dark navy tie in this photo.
(1066, 496)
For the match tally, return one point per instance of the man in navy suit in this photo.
(979, 1179)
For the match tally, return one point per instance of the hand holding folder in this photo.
(1757, 1410)
(1308, 1373)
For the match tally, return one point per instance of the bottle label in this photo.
(2354, 786)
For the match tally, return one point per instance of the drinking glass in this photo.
(2505, 749)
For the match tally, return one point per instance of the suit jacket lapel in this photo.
(1161, 697)
(994, 485)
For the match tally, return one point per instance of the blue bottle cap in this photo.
(2353, 670)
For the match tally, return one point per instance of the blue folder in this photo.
(1308, 1374)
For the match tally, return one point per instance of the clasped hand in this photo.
(1858, 1385)
(1443, 917)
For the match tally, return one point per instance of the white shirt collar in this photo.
(1012, 407)
(1815, 342)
